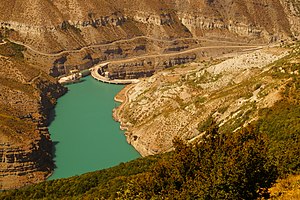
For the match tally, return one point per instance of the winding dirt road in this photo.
(124, 40)
(252, 48)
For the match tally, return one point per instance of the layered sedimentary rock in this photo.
(140, 48)
(292, 10)
(265, 19)
(80, 32)
(137, 68)
(181, 101)
(26, 163)
(26, 97)
(59, 25)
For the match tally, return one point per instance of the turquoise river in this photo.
(85, 136)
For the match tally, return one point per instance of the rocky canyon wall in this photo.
(26, 97)
(67, 34)
(137, 68)
(56, 26)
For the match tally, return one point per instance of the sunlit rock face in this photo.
(53, 26)
(68, 34)
(26, 96)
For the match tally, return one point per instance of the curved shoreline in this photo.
(116, 111)
(109, 130)
(97, 76)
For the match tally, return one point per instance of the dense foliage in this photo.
(105, 182)
(282, 124)
(11, 49)
(222, 166)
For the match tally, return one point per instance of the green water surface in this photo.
(85, 136)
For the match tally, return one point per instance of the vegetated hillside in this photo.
(239, 164)
(181, 101)
(26, 97)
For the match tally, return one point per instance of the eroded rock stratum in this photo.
(180, 102)
(62, 35)
(26, 96)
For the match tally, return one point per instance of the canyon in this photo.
(40, 40)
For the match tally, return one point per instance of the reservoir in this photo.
(85, 136)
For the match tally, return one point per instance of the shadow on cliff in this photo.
(54, 143)
(52, 116)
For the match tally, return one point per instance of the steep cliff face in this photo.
(26, 163)
(74, 24)
(256, 19)
(137, 68)
(26, 97)
(292, 10)
(68, 34)
(52, 26)
(140, 47)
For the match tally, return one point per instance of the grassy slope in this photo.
(105, 182)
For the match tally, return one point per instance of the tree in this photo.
(220, 166)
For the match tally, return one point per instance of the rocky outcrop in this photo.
(137, 68)
(181, 101)
(69, 25)
(116, 19)
(120, 50)
(27, 163)
(68, 34)
(154, 19)
(196, 22)
(292, 10)
(26, 97)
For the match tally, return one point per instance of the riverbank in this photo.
(85, 136)
(95, 74)
(176, 102)
(25, 144)
(122, 97)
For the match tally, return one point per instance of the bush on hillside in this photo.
(221, 166)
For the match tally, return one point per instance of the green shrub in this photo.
(222, 166)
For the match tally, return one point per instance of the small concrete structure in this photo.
(85, 73)
(73, 78)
